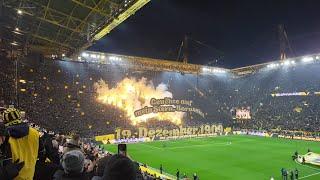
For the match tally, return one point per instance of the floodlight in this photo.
(85, 54)
(307, 59)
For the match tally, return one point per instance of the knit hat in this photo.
(11, 116)
(73, 162)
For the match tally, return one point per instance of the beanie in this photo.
(73, 162)
(11, 116)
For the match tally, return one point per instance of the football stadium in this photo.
(68, 112)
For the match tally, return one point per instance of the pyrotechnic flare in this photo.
(130, 95)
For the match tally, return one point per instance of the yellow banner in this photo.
(105, 137)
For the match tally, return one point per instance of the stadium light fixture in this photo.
(273, 65)
(85, 54)
(115, 58)
(204, 69)
(19, 12)
(286, 63)
(307, 59)
(220, 71)
(213, 70)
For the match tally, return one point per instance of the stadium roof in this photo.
(61, 26)
(168, 65)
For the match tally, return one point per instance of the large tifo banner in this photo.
(163, 132)
(310, 158)
(168, 104)
(142, 134)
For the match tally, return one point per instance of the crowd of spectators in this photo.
(57, 156)
(60, 96)
(62, 92)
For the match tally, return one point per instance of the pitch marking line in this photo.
(310, 175)
(199, 145)
(309, 168)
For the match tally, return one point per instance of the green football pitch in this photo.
(226, 157)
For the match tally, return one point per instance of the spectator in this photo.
(48, 160)
(8, 169)
(73, 144)
(101, 165)
(119, 167)
(21, 144)
(73, 167)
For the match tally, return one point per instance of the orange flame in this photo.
(130, 95)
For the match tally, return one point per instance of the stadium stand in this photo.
(63, 92)
(60, 97)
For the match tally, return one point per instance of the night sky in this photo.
(234, 32)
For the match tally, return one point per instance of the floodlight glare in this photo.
(115, 58)
(307, 59)
(286, 63)
(205, 69)
(85, 54)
